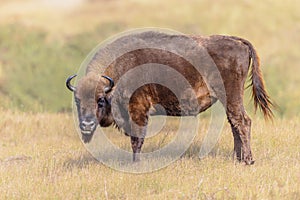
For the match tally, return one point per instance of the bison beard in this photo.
(86, 137)
(233, 57)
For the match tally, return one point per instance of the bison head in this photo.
(93, 101)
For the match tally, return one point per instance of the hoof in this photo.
(249, 162)
(246, 162)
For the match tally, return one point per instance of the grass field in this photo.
(41, 157)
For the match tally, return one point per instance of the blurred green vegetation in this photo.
(34, 69)
(36, 59)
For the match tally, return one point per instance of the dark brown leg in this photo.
(241, 128)
(237, 143)
(137, 135)
(138, 111)
(136, 145)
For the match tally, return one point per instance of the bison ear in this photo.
(111, 84)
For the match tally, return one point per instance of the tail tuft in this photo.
(259, 93)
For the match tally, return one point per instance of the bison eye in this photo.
(101, 102)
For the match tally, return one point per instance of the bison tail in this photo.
(259, 93)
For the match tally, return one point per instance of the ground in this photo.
(42, 157)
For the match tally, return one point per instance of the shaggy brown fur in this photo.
(232, 55)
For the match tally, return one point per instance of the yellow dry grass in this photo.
(41, 157)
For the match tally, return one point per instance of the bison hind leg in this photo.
(241, 127)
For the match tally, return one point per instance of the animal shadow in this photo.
(80, 161)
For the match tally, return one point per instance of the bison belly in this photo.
(187, 103)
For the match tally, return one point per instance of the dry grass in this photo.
(42, 158)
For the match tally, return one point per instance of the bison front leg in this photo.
(138, 111)
(137, 135)
(136, 144)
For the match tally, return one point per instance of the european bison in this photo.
(233, 58)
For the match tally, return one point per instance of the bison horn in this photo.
(111, 84)
(68, 84)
